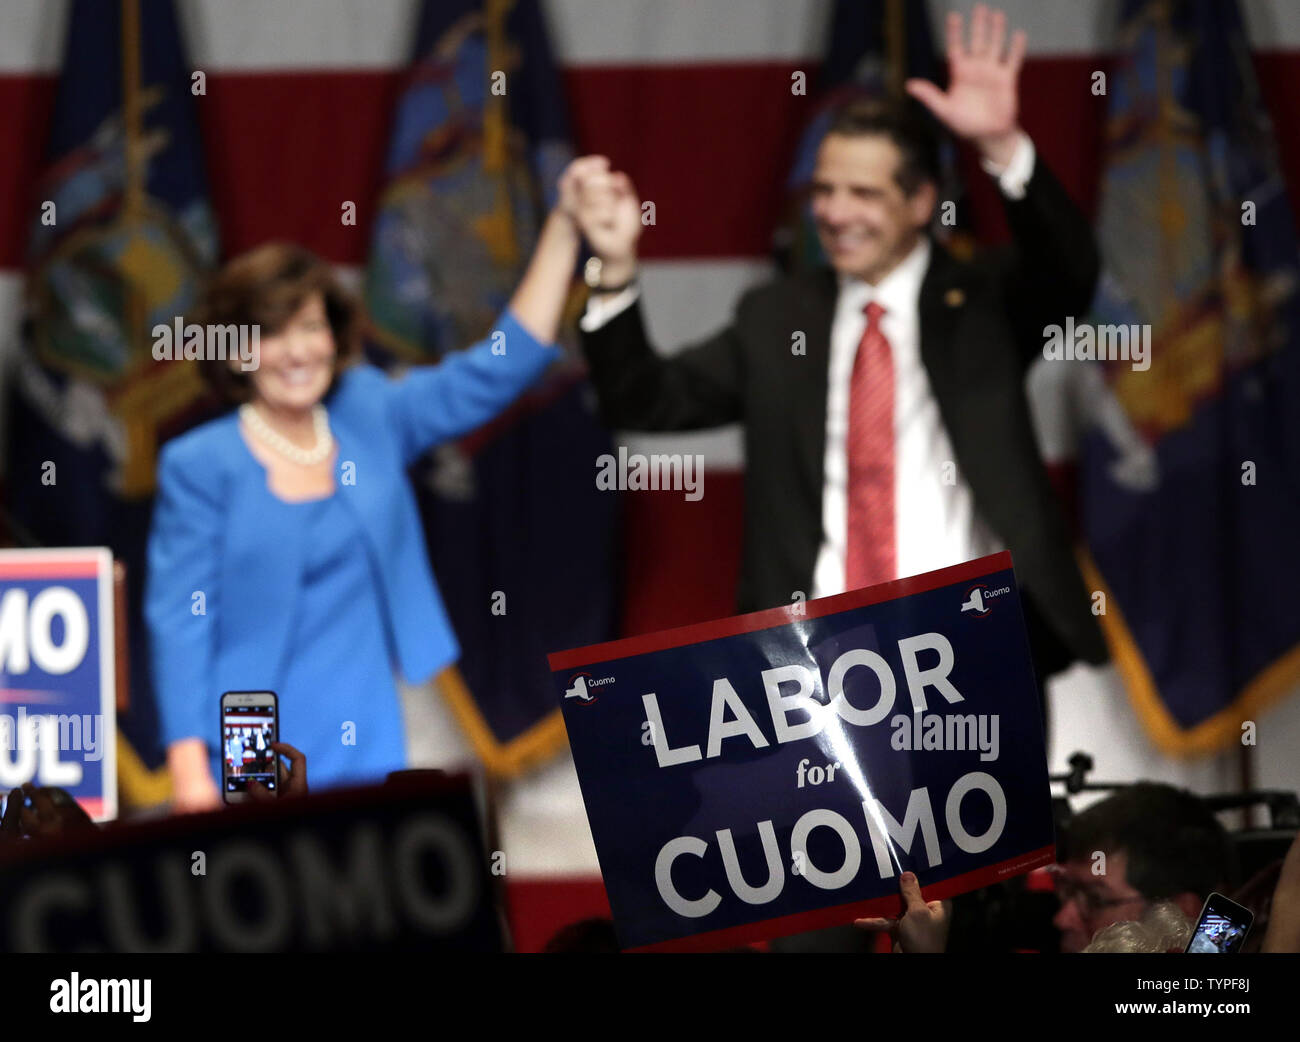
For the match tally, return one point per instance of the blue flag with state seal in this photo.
(121, 235)
(1191, 491)
(521, 540)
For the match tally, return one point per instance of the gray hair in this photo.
(1162, 927)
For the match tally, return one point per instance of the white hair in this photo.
(1162, 927)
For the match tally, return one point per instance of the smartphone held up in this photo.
(1221, 928)
(250, 723)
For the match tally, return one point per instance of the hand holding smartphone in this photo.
(1222, 926)
(250, 722)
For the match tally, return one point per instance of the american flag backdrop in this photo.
(693, 99)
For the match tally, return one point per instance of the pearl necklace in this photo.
(273, 439)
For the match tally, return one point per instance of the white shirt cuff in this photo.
(1015, 176)
(602, 308)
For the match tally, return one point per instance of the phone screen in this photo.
(247, 732)
(1222, 927)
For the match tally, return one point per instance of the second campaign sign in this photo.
(58, 723)
(776, 772)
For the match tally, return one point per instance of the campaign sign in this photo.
(393, 867)
(776, 772)
(58, 723)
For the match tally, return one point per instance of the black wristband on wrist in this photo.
(614, 289)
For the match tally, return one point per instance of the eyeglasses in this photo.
(1089, 902)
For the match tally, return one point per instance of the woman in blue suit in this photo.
(286, 552)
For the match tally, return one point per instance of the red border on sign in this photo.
(50, 568)
(892, 906)
(561, 661)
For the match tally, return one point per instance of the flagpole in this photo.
(136, 480)
(133, 189)
(496, 146)
(895, 47)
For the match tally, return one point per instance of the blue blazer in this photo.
(219, 532)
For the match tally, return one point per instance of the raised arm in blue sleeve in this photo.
(184, 543)
(435, 403)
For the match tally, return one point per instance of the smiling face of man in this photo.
(866, 222)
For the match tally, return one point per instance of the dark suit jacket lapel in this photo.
(944, 294)
(818, 312)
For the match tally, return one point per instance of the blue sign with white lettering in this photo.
(776, 772)
(57, 694)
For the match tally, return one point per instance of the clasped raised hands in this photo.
(604, 206)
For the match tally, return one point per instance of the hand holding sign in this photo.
(773, 773)
(924, 926)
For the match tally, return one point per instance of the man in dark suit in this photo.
(886, 427)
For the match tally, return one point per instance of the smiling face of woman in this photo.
(297, 361)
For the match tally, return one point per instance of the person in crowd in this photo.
(41, 812)
(286, 552)
(1165, 927)
(47, 812)
(1144, 844)
(886, 427)
(1282, 934)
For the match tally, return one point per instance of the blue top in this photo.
(235, 598)
(340, 702)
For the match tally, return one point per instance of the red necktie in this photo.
(869, 551)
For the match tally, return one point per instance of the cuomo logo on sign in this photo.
(976, 597)
(580, 687)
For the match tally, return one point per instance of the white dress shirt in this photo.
(935, 522)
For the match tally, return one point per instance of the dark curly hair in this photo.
(265, 287)
(905, 123)
(1172, 841)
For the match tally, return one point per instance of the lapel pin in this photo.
(954, 298)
